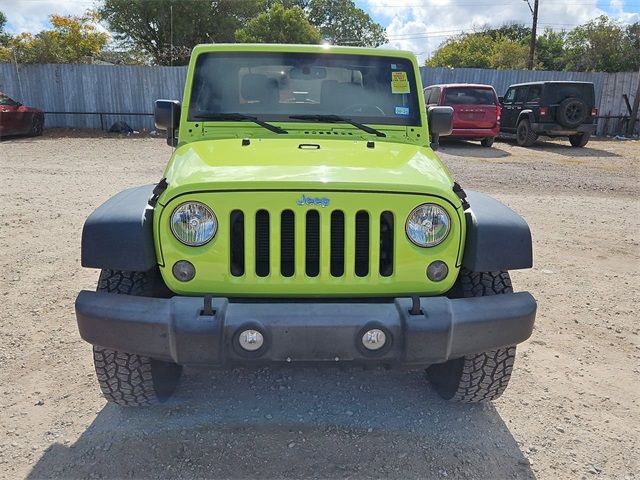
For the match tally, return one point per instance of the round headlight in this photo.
(428, 225)
(193, 223)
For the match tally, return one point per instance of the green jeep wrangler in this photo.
(303, 218)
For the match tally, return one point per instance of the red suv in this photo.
(17, 119)
(476, 109)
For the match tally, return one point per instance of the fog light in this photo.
(437, 271)
(251, 340)
(184, 271)
(374, 339)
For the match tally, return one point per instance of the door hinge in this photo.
(457, 189)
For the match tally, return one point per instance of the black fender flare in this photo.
(118, 235)
(528, 114)
(497, 237)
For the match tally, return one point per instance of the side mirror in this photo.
(440, 121)
(167, 117)
(501, 100)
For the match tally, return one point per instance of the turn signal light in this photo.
(594, 112)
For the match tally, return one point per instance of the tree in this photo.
(4, 36)
(341, 22)
(152, 26)
(601, 45)
(516, 32)
(279, 25)
(507, 54)
(550, 50)
(72, 39)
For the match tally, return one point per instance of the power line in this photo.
(446, 33)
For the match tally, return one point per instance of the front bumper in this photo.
(177, 329)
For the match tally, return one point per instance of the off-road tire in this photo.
(487, 141)
(129, 379)
(37, 126)
(482, 376)
(571, 112)
(579, 140)
(525, 135)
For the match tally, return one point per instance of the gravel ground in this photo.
(571, 410)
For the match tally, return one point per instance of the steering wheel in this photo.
(362, 109)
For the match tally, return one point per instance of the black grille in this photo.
(339, 223)
(287, 244)
(236, 243)
(337, 243)
(312, 254)
(386, 244)
(262, 243)
(362, 244)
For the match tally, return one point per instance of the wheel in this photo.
(482, 376)
(37, 126)
(525, 135)
(571, 112)
(125, 378)
(487, 141)
(579, 140)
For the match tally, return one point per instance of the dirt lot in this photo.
(572, 410)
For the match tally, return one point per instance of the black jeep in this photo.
(554, 109)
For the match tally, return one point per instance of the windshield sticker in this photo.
(394, 66)
(402, 111)
(399, 82)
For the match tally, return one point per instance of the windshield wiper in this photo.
(239, 117)
(338, 119)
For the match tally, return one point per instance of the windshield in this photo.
(276, 86)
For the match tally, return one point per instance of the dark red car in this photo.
(18, 119)
(476, 109)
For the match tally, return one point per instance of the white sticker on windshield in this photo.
(402, 111)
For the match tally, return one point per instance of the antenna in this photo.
(171, 62)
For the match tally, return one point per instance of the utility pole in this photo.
(534, 26)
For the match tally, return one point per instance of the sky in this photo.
(416, 25)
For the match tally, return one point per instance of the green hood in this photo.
(292, 164)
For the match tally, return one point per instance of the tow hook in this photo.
(208, 311)
(416, 308)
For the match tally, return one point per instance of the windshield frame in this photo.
(414, 119)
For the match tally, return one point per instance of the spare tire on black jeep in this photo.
(571, 112)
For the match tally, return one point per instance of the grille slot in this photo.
(236, 244)
(362, 244)
(337, 243)
(312, 258)
(386, 244)
(287, 244)
(262, 243)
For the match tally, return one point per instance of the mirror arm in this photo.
(435, 141)
(172, 141)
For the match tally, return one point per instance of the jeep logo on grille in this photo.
(304, 200)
